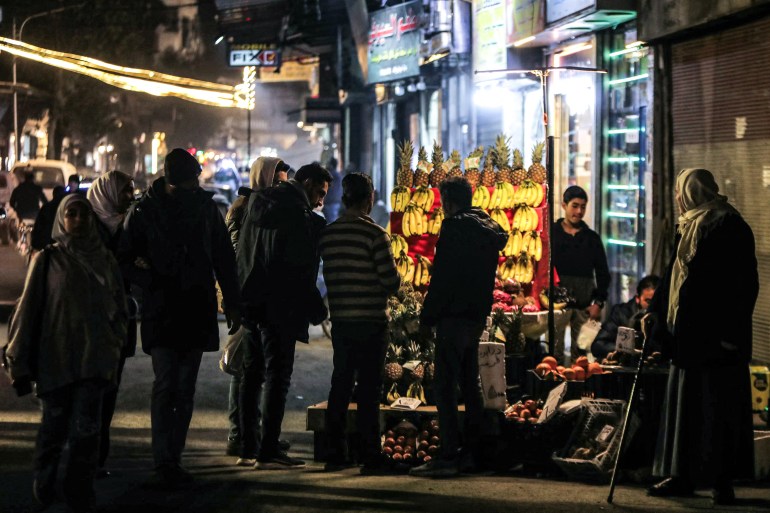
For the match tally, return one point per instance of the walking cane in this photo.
(645, 320)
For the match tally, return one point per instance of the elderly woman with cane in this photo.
(706, 433)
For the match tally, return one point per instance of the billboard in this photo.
(253, 55)
(394, 43)
(489, 50)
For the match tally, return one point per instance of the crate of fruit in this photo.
(593, 447)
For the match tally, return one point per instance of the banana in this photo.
(508, 249)
(516, 223)
(393, 394)
(398, 245)
(540, 195)
(477, 199)
(417, 273)
(509, 193)
(409, 269)
(405, 227)
(517, 239)
(498, 215)
(538, 248)
(532, 244)
(434, 225)
(487, 198)
(526, 238)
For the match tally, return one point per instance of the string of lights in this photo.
(133, 79)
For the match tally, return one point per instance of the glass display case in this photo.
(625, 161)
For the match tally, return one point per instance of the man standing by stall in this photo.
(580, 260)
(360, 274)
(458, 301)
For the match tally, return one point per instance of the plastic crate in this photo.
(595, 416)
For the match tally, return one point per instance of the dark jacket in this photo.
(278, 259)
(625, 315)
(464, 268)
(41, 232)
(581, 263)
(703, 322)
(186, 243)
(26, 199)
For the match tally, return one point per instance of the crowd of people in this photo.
(75, 324)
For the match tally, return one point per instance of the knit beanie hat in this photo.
(180, 166)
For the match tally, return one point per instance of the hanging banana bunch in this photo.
(399, 198)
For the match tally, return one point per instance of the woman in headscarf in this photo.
(265, 172)
(66, 335)
(110, 196)
(706, 432)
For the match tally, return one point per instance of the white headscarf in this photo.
(703, 206)
(104, 197)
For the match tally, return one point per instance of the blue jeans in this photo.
(278, 346)
(171, 407)
(359, 355)
(457, 363)
(72, 416)
(250, 390)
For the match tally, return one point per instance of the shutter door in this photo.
(721, 121)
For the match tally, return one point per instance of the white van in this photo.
(48, 173)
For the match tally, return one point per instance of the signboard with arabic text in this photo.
(489, 51)
(394, 43)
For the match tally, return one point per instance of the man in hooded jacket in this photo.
(458, 301)
(278, 259)
(246, 388)
(173, 246)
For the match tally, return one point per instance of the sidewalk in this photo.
(220, 486)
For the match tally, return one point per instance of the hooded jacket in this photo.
(464, 268)
(185, 241)
(261, 176)
(278, 259)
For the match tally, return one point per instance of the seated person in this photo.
(625, 314)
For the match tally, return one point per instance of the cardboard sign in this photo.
(492, 373)
(551, 406)
(625, 342)
(406, 403)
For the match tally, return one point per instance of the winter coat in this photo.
(581, 262)
(625, 315)
(186, 243)
(26, 200)
(60, 333)
(710, 333)
(464, 268)
(278, 259)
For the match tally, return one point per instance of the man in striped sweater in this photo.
(360, 274)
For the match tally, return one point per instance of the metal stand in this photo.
(645, 332)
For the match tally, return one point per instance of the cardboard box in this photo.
(760, 387)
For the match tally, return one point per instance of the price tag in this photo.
(605, 434)
(625, 342)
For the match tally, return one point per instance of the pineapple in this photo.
(405, 176)
(414, 354)
(422, 174)
(393, 369)
(472, 174)
(519, 173)
(488, 176)
(537, 172)
(430, 366)
(454, 164)
(439, 173)
(501, 156)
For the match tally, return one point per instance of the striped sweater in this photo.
(358, 269)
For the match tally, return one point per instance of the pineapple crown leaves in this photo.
(437, 158)
(422, 155)
(405, 152)
(477, 153)
(501, 153)
(518, 159)
(537, 152)
(488, 161)
(455, 158)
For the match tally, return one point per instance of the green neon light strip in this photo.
(627, 50)
(628, 79)
(624, 242)
(624, 187)
(616, 131)
(623, 159)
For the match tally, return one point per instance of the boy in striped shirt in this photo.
(360, 274)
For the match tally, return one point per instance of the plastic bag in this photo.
(231, 361)
(588, 333)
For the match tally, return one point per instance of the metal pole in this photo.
(248, 137)
(551, 316)
(15, 106)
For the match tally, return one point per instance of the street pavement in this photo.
(220, 486)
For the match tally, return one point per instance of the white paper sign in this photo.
(492, 373)
(625, 342)
(551, 406)
(406, 403)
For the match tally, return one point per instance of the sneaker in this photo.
(336, 466)
(284, 445)
(437, 468)
(245, 462)
(280, 461)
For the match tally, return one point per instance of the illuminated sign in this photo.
(253, 55)
(394, 43)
